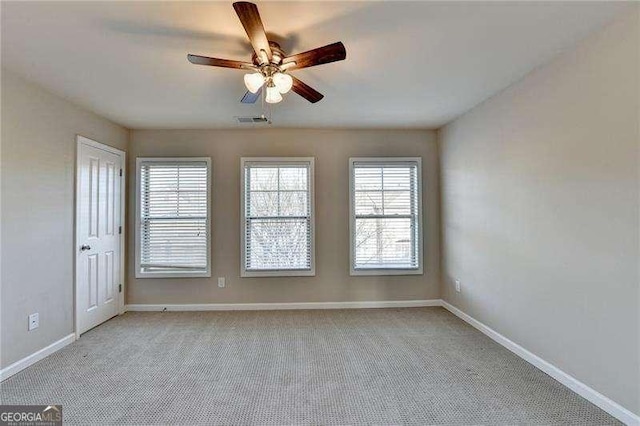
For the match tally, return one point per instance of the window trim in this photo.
(310, 161)
(352, 217)
(138, 252)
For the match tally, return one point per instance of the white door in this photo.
(98, 234)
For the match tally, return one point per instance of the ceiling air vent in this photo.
(251, 120)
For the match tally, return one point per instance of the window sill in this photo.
(143, 275)
(280, 273)
(382, 272)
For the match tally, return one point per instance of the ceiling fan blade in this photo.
(306, 91)
(250, 18)
(322, 55)
(215, 62)
(251, 98)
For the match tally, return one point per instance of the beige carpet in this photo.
(380, 366)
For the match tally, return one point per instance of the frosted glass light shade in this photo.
(273, 95)
(283, 82)
(253, 81)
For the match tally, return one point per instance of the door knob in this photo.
(85, 247)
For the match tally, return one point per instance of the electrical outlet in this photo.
(458, 287)
(221, 282)
(34, 321)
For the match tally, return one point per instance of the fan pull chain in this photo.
(268, 109)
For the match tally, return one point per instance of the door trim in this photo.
(82, 140)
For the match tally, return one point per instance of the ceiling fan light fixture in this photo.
(269, 62)
(273, 95)
(253, 81)
(283, 82)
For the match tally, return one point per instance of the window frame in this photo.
(138, 225)
(352, 217)
(311, 272)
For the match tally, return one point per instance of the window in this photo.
(172, 217)
(277, 217)
(386, 216)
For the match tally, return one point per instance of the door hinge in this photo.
(119, 288)
(120, 172)
(119, 229)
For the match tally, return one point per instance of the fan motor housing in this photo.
(276, 57)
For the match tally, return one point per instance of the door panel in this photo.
(92, 281)
(94, 171)
(110, 205)
(110, 276)
(98, 237)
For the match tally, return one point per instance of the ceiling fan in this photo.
(270, 66)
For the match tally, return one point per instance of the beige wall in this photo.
(331, 149)
(540, 212)
(37, 185)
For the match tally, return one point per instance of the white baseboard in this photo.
(25, 362)
(283, 306)
(590, 394)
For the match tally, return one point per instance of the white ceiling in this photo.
(409, 64)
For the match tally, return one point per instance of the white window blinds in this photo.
(277, 216)
(385, 214)
(173, 217)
